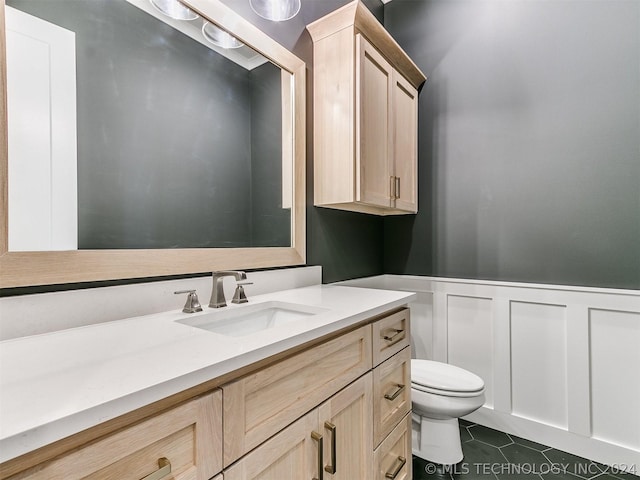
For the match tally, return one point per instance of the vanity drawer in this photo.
(185, 442)
(391, 393)
(268, 400)
(390, 335)
(392, 459)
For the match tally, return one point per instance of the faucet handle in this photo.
(193, 304)
(239, 296)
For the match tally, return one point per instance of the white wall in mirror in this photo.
(41, 91)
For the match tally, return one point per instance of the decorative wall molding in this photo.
(560, 363)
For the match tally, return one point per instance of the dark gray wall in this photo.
(165, 132)
(170, 156)
(529, 141)
(270, 223)
(347, 245)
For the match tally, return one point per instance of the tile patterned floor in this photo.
(493, 455)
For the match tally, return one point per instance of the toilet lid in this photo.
(445, 377)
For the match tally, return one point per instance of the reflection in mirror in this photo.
(161, 140)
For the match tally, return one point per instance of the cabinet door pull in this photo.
(331, 468)
(392, 396)
(397, 466)
(318, 438)
(397, 187)
(164, 469)
(393, 336)
(392, 187)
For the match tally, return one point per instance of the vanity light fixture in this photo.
(219, 37)
(174, 9)
(276, 10)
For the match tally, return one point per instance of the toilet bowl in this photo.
(440, 394)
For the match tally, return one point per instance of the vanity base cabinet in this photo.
(321, 412)
(185, 442)
(392, 459)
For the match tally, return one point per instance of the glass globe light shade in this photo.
(276, 10)
(219, 37)
(174, 9)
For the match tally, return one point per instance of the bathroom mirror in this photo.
(190, 150)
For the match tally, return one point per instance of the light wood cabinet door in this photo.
(374, 78)
(348, 436)
(294, 453)
(405, 143)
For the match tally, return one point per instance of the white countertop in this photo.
(60, 383)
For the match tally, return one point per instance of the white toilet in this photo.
(440, 394)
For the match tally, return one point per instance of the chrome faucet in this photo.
(217, 294)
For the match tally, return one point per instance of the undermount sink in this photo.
(249, 319)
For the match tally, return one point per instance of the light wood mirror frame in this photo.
(19, 269)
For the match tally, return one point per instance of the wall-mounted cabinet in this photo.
(365, 116)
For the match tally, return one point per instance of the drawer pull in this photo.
(392, 396)
(331, 468)
(394, 337)
(318, 438)
(164, 469)
(399, 463)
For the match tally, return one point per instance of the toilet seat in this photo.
(444, 379)
(445, 393)
(440, 394)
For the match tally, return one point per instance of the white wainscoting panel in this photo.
(539, 362)
(615, 376)
(422, 325)
(561, 363)
(470, 338)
